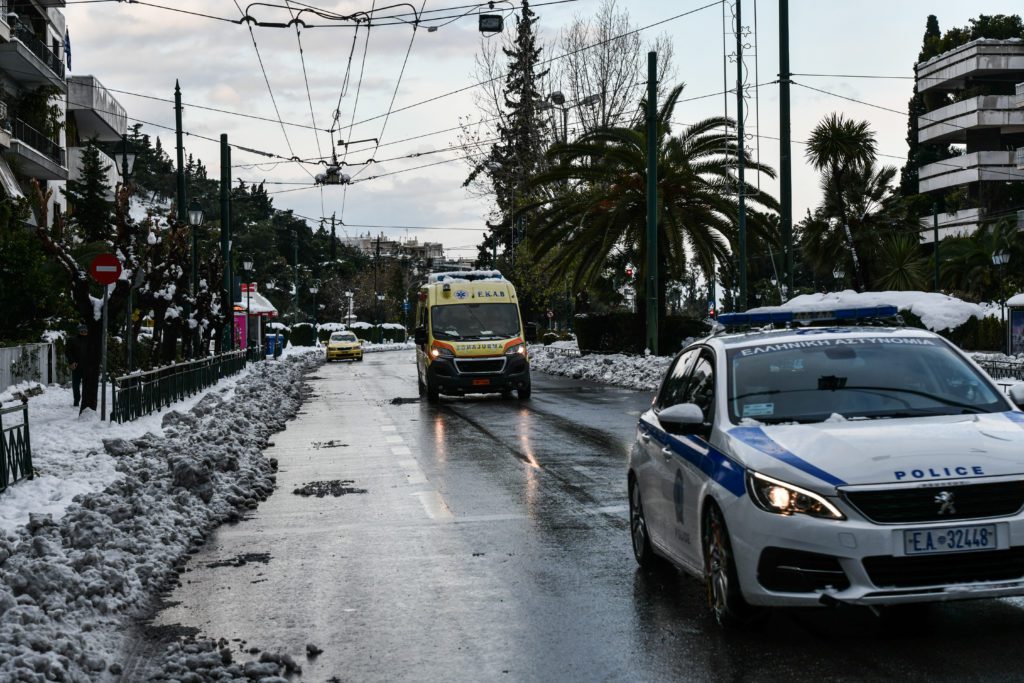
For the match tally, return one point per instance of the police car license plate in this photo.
(959, 539)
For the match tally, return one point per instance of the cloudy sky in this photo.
(143, 49)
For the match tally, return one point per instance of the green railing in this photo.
(148, 392)
(15, 447)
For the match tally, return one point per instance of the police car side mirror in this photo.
(531, 333)
(420, 336)
(682, 418)
(1017, 395)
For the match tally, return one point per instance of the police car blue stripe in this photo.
(714, 464)
(1014, 416)
(756, 438)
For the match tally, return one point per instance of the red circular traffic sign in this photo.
(105, 269)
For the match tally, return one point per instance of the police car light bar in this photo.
(782, 317)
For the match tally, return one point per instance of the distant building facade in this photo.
(981, 87)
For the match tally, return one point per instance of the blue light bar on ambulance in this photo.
(786, 316)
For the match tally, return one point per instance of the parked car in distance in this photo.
(821, 466)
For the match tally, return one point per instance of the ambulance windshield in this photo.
(475, 321)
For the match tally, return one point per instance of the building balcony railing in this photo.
(952, 122)
(1020, 157)
(25, 36)
(974, 167)
(1020, 94)
(39, 142)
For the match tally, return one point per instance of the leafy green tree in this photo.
(901, 266)
(966, 266)
(90, 211)
(598, 205)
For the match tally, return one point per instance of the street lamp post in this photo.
(313, 289)
(348, 319)
(839, 274)
(378, 316)
(247, 266)
(127, 165)
(195, 220)
(556, 100)
(999, 260)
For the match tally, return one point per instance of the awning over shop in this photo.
(258, 305)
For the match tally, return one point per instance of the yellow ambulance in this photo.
(469, 336)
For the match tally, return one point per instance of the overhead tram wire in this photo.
(273, 99)
(545, 61)
(394, 95)
(340, 21)
(921, 117)
(355, 106)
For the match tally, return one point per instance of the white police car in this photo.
(827, 465)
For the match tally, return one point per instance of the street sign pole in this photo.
(103, 356)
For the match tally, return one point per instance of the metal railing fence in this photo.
(15, 447)
(39, 142)
(1003, 369)
(148, 392)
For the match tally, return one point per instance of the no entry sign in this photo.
(105, 269)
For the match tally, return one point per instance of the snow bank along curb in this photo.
(68, 588)
(642, 373)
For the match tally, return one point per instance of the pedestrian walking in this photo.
(77, 353)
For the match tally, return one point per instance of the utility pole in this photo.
(652, 202)
(785, 147)
(741, 159)
(227, 300)
(295, 254)
(183, 215)
(376, 301)
(334, 247)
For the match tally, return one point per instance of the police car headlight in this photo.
(438, 352)
(518, 348)
(781, 498)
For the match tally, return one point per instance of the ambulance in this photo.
(469, 337)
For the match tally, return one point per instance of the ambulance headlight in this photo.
(438, 352)
(518, 348)
(772, 495)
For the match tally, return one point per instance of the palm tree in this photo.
(966, 262)
(596, 204)
(873, 211)
(837, 147)
(903, 268)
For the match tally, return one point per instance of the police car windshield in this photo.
(855, 377)
(475, 321)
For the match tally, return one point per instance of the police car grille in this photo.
(947, 568)
(970, 501)
(476, 367)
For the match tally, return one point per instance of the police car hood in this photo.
(822, 456)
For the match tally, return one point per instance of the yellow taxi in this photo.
(344, 346)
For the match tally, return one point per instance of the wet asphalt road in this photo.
(492, 544)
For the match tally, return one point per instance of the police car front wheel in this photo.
(721, 580)
(642, 550)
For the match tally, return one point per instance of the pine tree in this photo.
(519, 152)
(90, 207)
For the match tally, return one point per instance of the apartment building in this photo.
(980, 86)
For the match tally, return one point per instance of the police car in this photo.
(825, 465)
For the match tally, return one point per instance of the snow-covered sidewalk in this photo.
(71, 577)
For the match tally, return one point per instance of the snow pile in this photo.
(69, 588)
(359, 325)
(331, 327)
(370, 347)
(392, 326)
(642, 373)
(937, 312)
(140, 208)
